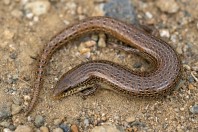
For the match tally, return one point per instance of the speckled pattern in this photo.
(159, 81)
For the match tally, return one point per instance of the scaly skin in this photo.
(157, 82)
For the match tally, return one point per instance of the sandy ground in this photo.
(22, 39)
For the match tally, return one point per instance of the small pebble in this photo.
(29, 118)
(26, 97)
(121, 9)
(17, 100)
(133, 129)
(35, 18)
(17, 13)
(94, 37)
(104, 118)
(66, 22)
(39, 121)
(130, 119)
(7, 130)
(194, 109)
(191, 79)
(191, 87)
(8, 34)
(13, 55)
(57, 121)
(29, 15)
(86, 122)
(181, 109)
(23, 128)
(74, 128)
(83, 49)
(149, 15)
(57, 130)
(71, 7)
(44, 129)
(80, 10)
(187, 67)
(179, 48)
(5, 112)
(12, 127)
(174, 38)
(176, 110)
(4, 124)
(90, 43)
(38, 7)
(6, 2)
(101, 41)
(65, 127)
(164, 33)
(12, 79)
(105, 128)
(116, 117)
(169, 6)
(16, 109)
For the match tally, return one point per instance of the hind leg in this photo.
(89, 90)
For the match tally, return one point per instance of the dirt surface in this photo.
(23, 33)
